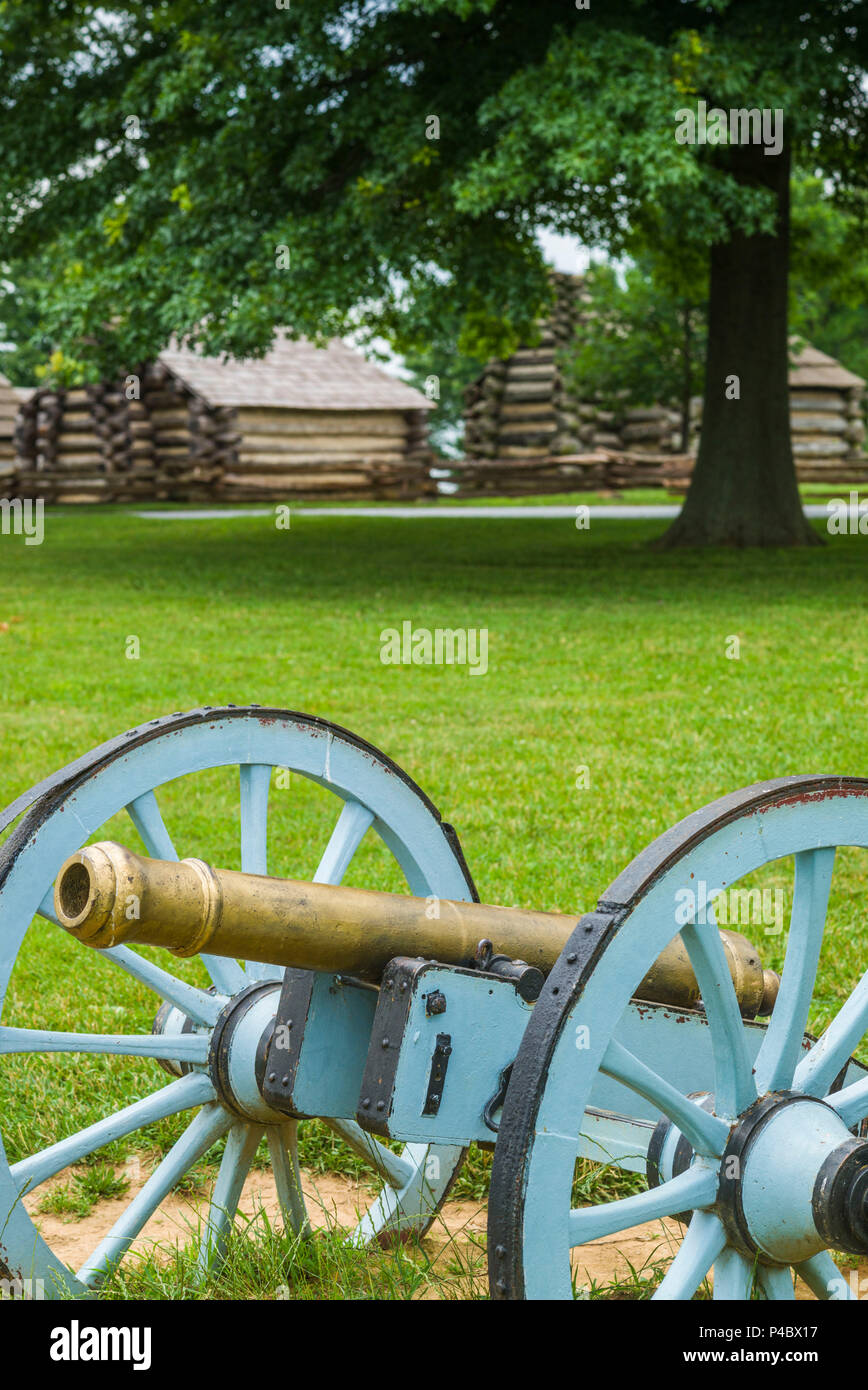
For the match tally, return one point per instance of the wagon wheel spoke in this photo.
(776, 1282)
(195, 1089)
(235, 1164)
(697, 1187)
(208, 1126)
(816, 1072)
(734, 1087)
(707, 1133)
(201, 1006)
(733, 1276)
(349, 831)
(702, 1245)
(255, 785)
(147, 817)
(851, 1103)
(781, 1046)
(392, 1167)
(46, 907)
(283, 1148)
(824, 1278)
(189, 1047)
(226, 974)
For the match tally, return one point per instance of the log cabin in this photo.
(301, 422)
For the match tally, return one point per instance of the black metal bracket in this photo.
(497, 1100)
(283, 1046)
(390, 1021)
(528, 979)
(437, 1079)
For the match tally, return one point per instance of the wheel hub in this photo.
(841, 1198)
(172, 1022)
(238, 1049)
(793, 1179)
(239, 1040)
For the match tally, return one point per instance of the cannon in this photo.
(640, 1034)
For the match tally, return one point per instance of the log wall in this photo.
(327, 453)
(151, 437)
(8, 420)
(519, 410)
(603, 470)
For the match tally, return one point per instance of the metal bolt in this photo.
(572, 958)
(381, 1105)
(501, 1286)
(385, 1042)
(500, 1251)
(272, 1076)
(435, 1003)
(285, 1081)
(366, 1103)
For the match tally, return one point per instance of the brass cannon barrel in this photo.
(106, 895)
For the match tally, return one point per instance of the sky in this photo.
(565, 253)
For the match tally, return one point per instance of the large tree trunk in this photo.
(743, 490)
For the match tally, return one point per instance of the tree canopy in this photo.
(643, 340)
(174, 166)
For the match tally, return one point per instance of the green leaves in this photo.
(170, 147)
(180, 194)
(643, 340)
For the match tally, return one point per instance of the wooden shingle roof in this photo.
(810, 367)
(295, 375)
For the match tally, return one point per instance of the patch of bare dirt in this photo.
(331, 1199)
(334, 1200)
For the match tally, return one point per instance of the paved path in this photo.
(663, 512)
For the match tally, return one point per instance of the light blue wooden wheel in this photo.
(753, 1221)
(373, 796)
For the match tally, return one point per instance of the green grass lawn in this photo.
(602, 653)
(624, 497)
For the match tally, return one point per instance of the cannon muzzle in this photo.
(106, 895)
